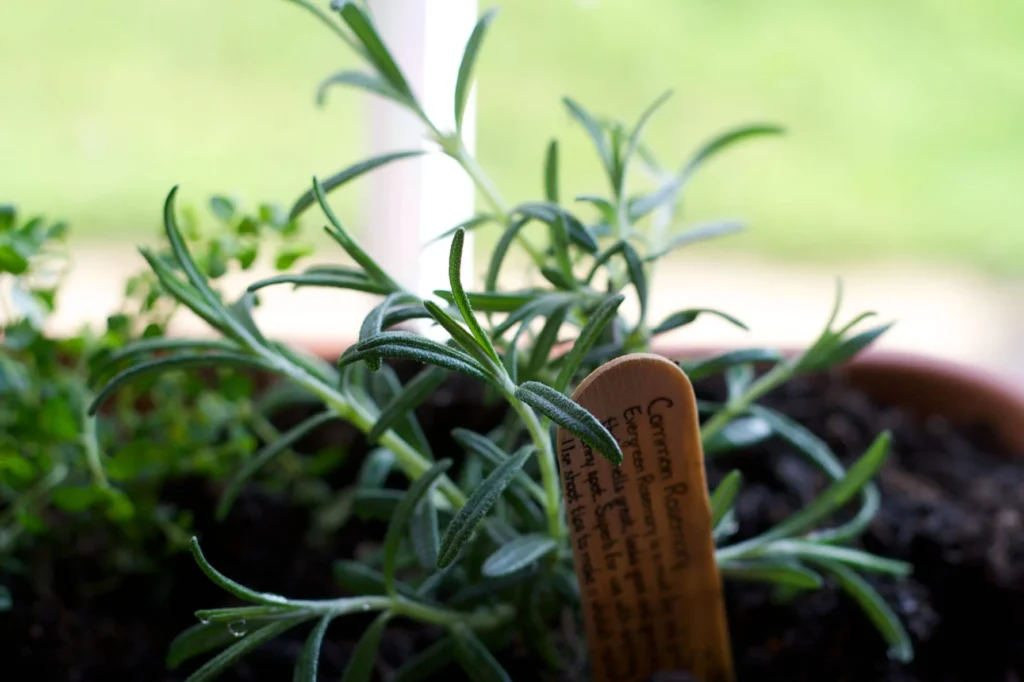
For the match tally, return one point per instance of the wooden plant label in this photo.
(641, 532)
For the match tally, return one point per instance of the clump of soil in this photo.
(952, 506)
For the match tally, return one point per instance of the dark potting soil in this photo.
(952, 505)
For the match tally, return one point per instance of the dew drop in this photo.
(237, 628)
(204, 621)
(366, 607)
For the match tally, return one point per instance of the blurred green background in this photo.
(905, 120)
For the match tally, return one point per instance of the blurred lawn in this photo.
(906, 135)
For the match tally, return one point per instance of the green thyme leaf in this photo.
(403, 513)
(461, 528)
(570, 416)
(309, 660)
(364, 656)
(719, 363)
(518, 554)
(464, 83)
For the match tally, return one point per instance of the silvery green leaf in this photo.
(700, 369)
(901, 647)
(229, 585)
(461, 300)
(153, 367)
(346, 175)
(740, 433)
(634, 142)
(465, 339)
(724, 496)
(637, 276)
(425, 534)
(864, 561)
(226, 658)
(500, 251)
(461, 528)
(493, 302)
(412, 395)
(738, 379)
(588, 336)
(364, 81)
(309, 660)
(355, 282)
(685, 317)
(784, 573)
(464, 83)
(549, 214)
(375, 50)
(545, 341)
(551, 172)
(264, 455)
(364, 656)
(468, 225)
(474, 657)
(403, 513)
(595, 132)
(570, 416)
(696, 234)
(518, 554)
(196, 640)
(413, 347)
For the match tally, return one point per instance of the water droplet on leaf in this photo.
(237, 628)
(366, 607)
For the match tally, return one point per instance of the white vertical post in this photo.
(414, 200)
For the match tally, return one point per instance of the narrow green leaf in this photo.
(739, 434)
(560, 245)
(425, 534)
(346, 242)
(414, 347)
(634, 141)
(468, 225)
(778, 572)
(551, 172)
(500, 251)
(570, 416)
(376, 468)
(685, 317)
(309, 660)
(461, 300)
(152, 367)
(718, 363)
(364, 656)
(361, 580)
(635, 268)
(229, 585)
(544, 342)
(376, 51)
(475, 659)
(589, 335)
(518, 554)
(157, 345)
(545, 304)
(724, 496)
(184, 293)
(225, 659)
(353, 282)
(464, 338)
(465, 79)
(403, 513)
(697, 234)
(557, 278)
(672, 188)
(595, 132)
(373, 323)
(848, 348)
(488, 450)
(461, 528)
(427, 663)
(901, 647)
(385, 386)
(264, 455)
(183, 256)
(864, 561)
(550, 214)
(493, 302)
(837, 494)
(421, 387)
(197, 640)
(363, 81)
(346, 175)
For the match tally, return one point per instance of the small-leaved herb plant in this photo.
(484, 554)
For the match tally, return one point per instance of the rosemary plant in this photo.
(484, 554)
